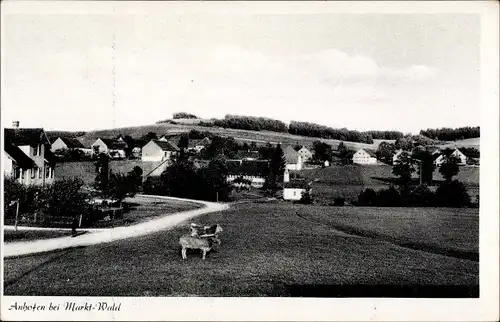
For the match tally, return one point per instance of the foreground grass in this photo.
(267, 250)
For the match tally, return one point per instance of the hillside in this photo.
(260, 137)
(467, 143)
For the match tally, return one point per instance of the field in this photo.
(260, 137)
(348, 181)
(275, 249)
(466, 143)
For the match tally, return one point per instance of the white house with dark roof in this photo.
(158, 151)
(112, 147)
(27, 157)
(305, 153)
(364, 156)
(198, 145)
(294, 188)
(62, 143)
(293, 159)
(462, 159)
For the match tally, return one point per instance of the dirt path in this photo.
(105, 236)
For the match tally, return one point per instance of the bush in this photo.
(339, 201)
(306, 198)
(367, 197)
(422, 196)
(452, 194)
(389, 197)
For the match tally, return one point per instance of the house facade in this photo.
(247, 173)
(114, 148)
(198, 145)
(462, 159)
(294, 189)
(27, 157)
(60, 143)
(364, 157)
(305, 153)
(293, 159)
(158, 151)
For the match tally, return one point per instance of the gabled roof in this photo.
(370, 152)
(243, 154)
(251, 168)
(71, 143)
(166, 146)
(291, 156)
(114, 144)
(31, 137)
(205, 141)
(21, 159)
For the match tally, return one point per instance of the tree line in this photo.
(252, 123)
(326, 132)
(449, 134)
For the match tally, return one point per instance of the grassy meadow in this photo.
(274, 249)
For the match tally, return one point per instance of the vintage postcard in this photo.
(249, 161)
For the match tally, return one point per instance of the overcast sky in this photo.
(401, 72)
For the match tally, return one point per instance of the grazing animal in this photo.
(189, 242)
(205, 231)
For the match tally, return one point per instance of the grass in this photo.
(141, 209)
(466, 143)
(28, 235)
(268, 249)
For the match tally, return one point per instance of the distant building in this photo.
(293, 188)
(293, 159)
(364, 156)
(305, 153)
(157, 151)
(198, 145)
(27, 157)
(247, 173)
(115, 148)
(462, 159)
(61, 143)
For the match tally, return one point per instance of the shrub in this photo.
(389, 197)
(339, 201)
(367, 197)
(306, 198)
(452, 194)
(422, 196)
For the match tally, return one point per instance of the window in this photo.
(35, 150)
(33, 172)
(22, 174)
(17, 172)
(40, 149)
(40, 173)
(47, 172)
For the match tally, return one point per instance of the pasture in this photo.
(274, 249)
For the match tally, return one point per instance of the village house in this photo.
(294, 188)
(198, 145)
(115, 148)
(62, 143)
(27, 157)
(293, 159)
(247, 173)
(462, 159)
(364, 157)
(158, 151)
(305, 153)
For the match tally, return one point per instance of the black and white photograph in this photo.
(154, 151)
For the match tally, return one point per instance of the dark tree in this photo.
(449, 168)
(452, 194)
(150, 136)
(183, 115)
(177, 180)
(385, 152)
(103, 171)
(130, 145)
(266, 151)
(404, 169)
(278, 161)
(425, 164)
(322, 151)
(183, 141)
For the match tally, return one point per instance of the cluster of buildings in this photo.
(368, 157)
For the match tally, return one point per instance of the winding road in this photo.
(105, 236)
